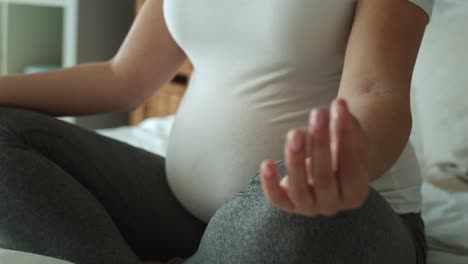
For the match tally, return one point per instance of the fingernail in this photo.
(296, 141)
(317, 119)
(341, 108)
(333, 112)
(337, 110)
(266, 171)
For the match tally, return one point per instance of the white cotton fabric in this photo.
(260, 67)
(426, 5)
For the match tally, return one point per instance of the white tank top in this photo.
(260, 66)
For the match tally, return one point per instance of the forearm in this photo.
(387, 121)
(81, 90)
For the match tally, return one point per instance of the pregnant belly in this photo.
(210, 159)
(217, 147)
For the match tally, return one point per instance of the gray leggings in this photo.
(72, 194)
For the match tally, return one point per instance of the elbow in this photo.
(406, 124)
(401, 107)
(135, 99)
(385, 104)
(131, 105)
(402, 115)
(126, 81)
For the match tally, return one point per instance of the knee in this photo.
(14, 120)
(10, 114)
(6, 121)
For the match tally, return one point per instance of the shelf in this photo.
(63, 33)
(53, 3)
(33, 41)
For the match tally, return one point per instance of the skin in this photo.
(147, 59)
(348, 150)
(352, 146)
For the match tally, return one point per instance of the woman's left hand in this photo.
(334, 178)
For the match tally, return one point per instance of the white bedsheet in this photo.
(151, 134)
(445, 212)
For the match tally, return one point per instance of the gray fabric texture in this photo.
(69, 193)
(72, 194)
(248, 229)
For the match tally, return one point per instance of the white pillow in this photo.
(440, 87)
(440, 134)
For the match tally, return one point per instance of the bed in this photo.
(440, 133)
(440, 136)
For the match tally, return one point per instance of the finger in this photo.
(310, 179)
(353, 178)
(309, 211)
(336, 128)
(274, 193)
(298, 187)
(325, 183)
(284, 183)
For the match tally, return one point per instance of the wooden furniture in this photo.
(166, 101)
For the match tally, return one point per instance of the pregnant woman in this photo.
(265, 86)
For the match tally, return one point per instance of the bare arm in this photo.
(379, 62)
(364, 137)
(148, 58)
